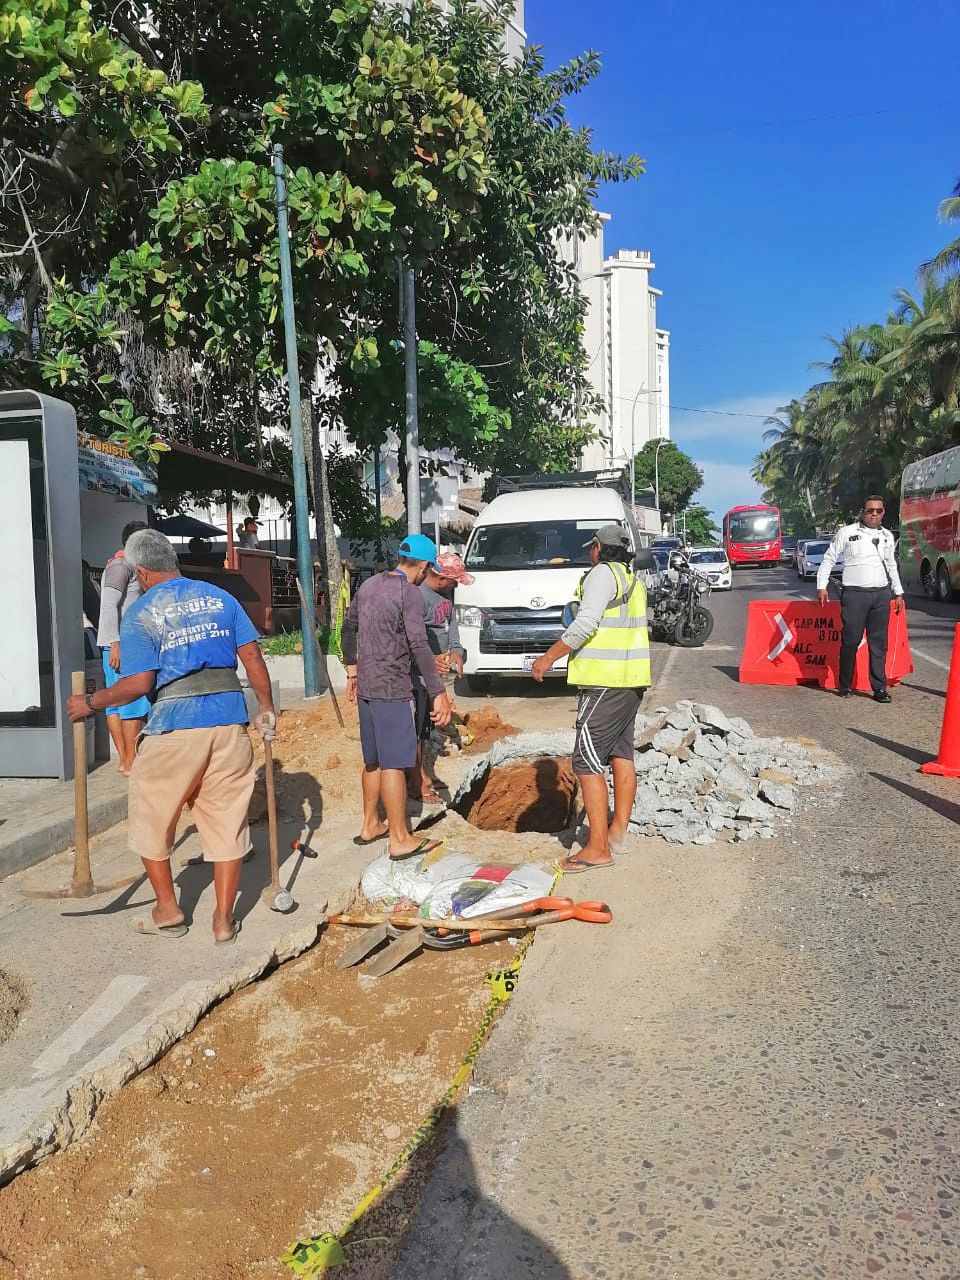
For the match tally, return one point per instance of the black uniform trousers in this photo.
(864, 608)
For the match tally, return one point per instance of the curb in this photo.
(39, 840)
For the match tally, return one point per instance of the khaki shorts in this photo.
(209, 769)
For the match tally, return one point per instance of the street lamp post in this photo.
(656, 474)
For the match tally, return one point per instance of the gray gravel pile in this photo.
(704, 776)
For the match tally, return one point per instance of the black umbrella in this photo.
(187, 527)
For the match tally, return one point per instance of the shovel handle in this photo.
(459, 926)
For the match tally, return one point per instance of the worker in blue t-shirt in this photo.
(180, 644)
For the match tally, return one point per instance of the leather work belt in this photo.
(209, 680)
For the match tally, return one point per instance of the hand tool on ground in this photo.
(275, 897)
(402, 948)
(301, 845)
(366, 945)
(321, 657)
(562, 908)
(593, 912)
(81, 884)
(442, 940)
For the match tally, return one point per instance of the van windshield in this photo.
(547, 544)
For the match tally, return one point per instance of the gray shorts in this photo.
(388, 738)
(606, 722)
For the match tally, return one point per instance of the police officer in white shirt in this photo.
(870, 578)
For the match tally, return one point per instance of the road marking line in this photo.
(99, 1015)
(139, 1029)
(668, 665)
(944, 666)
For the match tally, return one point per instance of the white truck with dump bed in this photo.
(527, 555)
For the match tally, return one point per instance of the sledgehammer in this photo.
(275, 897)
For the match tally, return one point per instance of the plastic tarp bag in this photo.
(455, 885)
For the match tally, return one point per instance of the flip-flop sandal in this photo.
(575, 866)
(421, 851)
(432, 797)
(359, 840)
(223, 942)
(148, 929)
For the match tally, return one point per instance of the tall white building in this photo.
(628, 355)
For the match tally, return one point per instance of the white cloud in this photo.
(726, 485)
(724, 444)
(725, 426)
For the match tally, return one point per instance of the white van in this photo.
(527, 554)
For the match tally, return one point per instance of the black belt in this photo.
(208, 680)
(882, 587)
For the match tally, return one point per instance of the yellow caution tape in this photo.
(312, 1257)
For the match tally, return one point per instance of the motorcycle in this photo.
(676, 606)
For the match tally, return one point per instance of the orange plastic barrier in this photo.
(798, 642)
(947, 763)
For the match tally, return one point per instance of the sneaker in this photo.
(881, 695)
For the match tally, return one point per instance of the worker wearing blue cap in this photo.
(384, 634)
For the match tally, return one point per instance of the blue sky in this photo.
(766, 238)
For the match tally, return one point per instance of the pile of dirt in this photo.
(531, 795)
(13, 1000)
(268, 1122)
(486, 727)
(314, 761)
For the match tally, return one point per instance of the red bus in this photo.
(751, 535)
(930, 525)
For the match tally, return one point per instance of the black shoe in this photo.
(881, 695)
(843, 693)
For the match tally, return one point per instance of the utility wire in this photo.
(683, 408)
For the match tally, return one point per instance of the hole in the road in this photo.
(539, 794)
(868, 877)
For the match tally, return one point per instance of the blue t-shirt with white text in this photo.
(179, 627)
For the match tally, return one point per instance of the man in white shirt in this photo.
(870, 578)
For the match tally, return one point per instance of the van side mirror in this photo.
(644, 559)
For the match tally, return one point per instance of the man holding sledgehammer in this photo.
(180, 644)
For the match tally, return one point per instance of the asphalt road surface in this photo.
(754, 1072)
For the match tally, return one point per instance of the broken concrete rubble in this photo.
(703, 776)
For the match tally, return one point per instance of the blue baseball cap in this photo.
(417, 546)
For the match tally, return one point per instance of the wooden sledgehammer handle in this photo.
(82, 884)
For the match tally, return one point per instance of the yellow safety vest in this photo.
(617, 655)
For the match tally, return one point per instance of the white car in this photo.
(712, 564)
(527, 553)
(811, 558)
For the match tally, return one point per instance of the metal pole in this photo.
(410, 378)
(308, 622)
(377, 502)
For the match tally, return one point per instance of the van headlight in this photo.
(468, 615)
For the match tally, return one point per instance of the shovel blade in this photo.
(363, 947)
(411, 944)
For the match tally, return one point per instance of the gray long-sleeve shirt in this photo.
(119, 589)
(600, 586)
(384, 628)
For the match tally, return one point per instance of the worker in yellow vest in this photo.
(609, 650)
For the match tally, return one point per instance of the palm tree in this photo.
(947, 260)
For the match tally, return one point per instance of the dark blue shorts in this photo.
(388, 736)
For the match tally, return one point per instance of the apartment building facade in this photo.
(628, 354)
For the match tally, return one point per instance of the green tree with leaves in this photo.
(699, 527)
(679, 475)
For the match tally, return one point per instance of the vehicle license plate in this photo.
(528, 661)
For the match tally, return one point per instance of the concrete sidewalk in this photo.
(105, 1002)
(36, 814)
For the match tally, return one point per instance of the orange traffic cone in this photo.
(947, 763)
